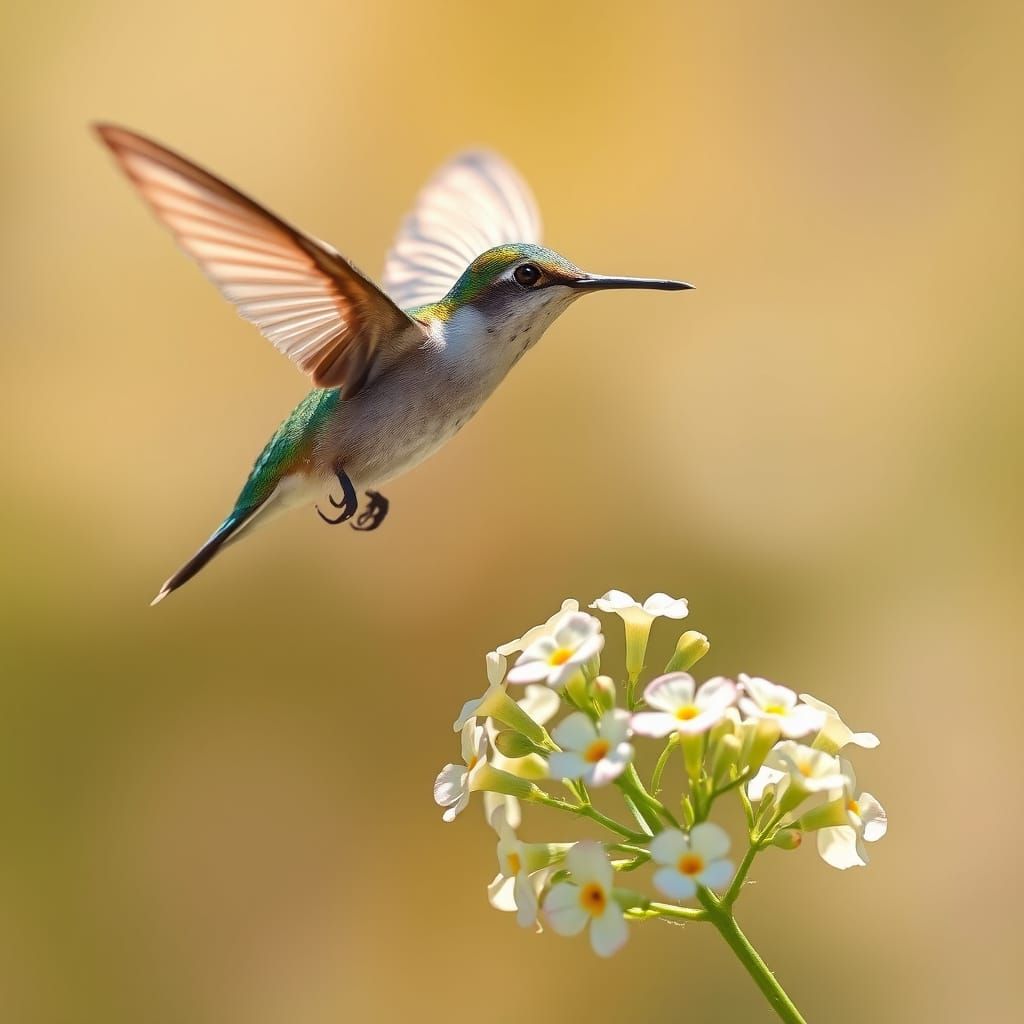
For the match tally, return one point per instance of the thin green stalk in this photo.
(659, 768)
(589, 811)
(741, 876)
(721, 917)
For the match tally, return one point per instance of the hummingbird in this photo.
(397, 369)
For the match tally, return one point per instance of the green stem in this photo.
(659, 768)
(741, 876)
(721, 917)
(588, 811)
(675, 913)
(650, 809)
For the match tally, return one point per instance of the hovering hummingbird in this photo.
(467, 290)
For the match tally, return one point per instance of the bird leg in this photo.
(348, 504)
(373, 513)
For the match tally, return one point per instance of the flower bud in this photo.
(765, 809)
(693, 753)
(690, 648)
(726, 755)
(828, 815)
(515, 744)
(494, 780)
(502, 708)
(759, 739)
(788, 839)
(604, 692)
(725, 727)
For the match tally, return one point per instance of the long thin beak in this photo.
(598, 282)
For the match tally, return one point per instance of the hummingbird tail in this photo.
(234, 522)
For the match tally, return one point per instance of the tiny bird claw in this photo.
(349, 502)
(373, 513)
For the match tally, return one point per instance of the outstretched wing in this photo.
(310, 302)
(473, 203)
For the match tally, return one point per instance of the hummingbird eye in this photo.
(527, 275)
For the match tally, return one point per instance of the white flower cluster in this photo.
(776, 752)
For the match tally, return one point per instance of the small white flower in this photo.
(588, 900)
(496, 686)
(682, 707)
(810, 770)
(698, 859)
(455, 781)
(835, 733)
(637, 619)
(778, 704)
(555, 657)
(596, 754)
(842, 846)
(545, 629)
(541, 704)
(765, 777)
(521, 872)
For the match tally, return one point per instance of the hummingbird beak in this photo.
(598, 282)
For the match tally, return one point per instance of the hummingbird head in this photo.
(520, 290)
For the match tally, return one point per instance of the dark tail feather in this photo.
(220, 537)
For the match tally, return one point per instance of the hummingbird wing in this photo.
(309, 301)
(473, 203)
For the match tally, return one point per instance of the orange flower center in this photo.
(514, 863)
(593, 899)
(596, 751)
(853, 807)
(472, 763)
(560, 657)
(686, 713)
(690, 864)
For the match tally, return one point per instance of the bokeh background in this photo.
(219, 810)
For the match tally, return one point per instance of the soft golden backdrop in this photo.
(219, 810)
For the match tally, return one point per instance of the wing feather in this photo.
(310, 302)
(473, 203)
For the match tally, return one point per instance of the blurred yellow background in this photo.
(220, 810)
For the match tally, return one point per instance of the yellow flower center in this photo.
(853, 807)
(805, 768)
(687, 712)
(774, 709)
(472, 763)
(690, 864)
(514, 864)
(593, 899)
(560, 656)
(596, 751)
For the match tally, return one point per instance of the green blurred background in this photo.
(219, 810)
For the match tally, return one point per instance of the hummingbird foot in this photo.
(349, 502)
(373, 513)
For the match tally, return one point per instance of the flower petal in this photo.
(567, 764)
(450, 784)
(575, 732)
(668, 607)
(675, 884)
(608, 933)
(500, 893)
(838, 847)
(709, 840)
(668, 846)
(589, 863)
(654, 723)
(563, 911)
(717, 875)
(615, 601)
(541, 703)
(670, 692)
